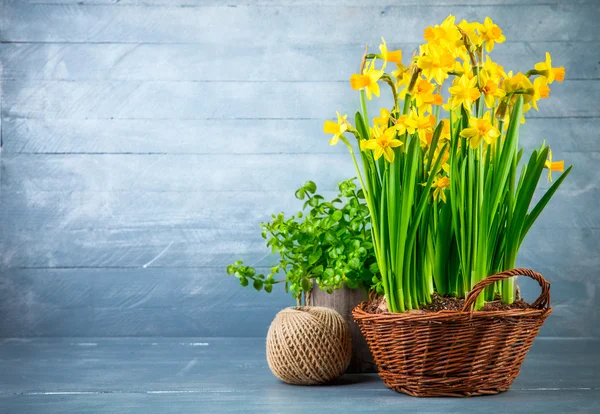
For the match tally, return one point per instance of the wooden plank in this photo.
(169, 172)
(239, 136)
(183, 375)
(269, 25)
(233, 211)
(127, 302)
(279, 3)
(564, 248)
(203, 173)
(206, 100)
(194, 62)
(346, 400)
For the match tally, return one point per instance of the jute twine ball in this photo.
(308, 345)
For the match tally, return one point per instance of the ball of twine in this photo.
(308, 345)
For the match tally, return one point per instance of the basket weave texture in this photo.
(454, 353)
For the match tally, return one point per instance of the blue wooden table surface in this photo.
(206, 375)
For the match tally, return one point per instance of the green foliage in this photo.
(328, 242)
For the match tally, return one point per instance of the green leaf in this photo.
(310, 187)
(268, 287)
(258, 284)
(306, 284)
(337, 215)
(300, 194)
(243, 281)
(314, 256)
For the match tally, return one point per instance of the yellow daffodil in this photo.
(491, 34)
(383, 143)
(517, 82)
(558, 166)
(402, 76)
(480, 128)
(546, 69)
(493, 69)
(439, 185)
(464, 92)
(463, 68)
(336, 128)
(541, 90)
(401, 124)
(445, 34)
(421, 124)
(383, 119)
(394, 56)
(368, 80)
(471, 30)
(425, 96)
(435, 63)
(490, 89)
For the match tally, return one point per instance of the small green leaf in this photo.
(243, 281)
(337, 215)
(314, 256)
(306, 284)
(300, 194)
(258, 284)
(310, 186)
(268, 287)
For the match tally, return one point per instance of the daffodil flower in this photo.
(383, 119)
(382, 143)
(336, 128)
(491, 34)
(400, 124)
(464, 92)
(546, 69)
(439, 185)
(471, 30)
(480, 129)
(424, 95)
(400, 73)
(490, 89)
(446, 34)
(367, 81)
(420, 124)
(558, 166)
(435, 62)
(494, 70)
(541, 90)
(394, 56)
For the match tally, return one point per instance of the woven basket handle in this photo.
(543, 301)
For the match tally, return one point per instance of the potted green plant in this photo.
(325, 248)
(450, 199)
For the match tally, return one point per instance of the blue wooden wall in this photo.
(144, 140)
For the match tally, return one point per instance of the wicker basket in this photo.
(451, 353)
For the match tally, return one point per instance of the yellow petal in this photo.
(371, 144)
(331, 127)
(468, 132)
(388, 153)
(395, 143)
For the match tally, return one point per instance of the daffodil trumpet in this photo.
(448, 202)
